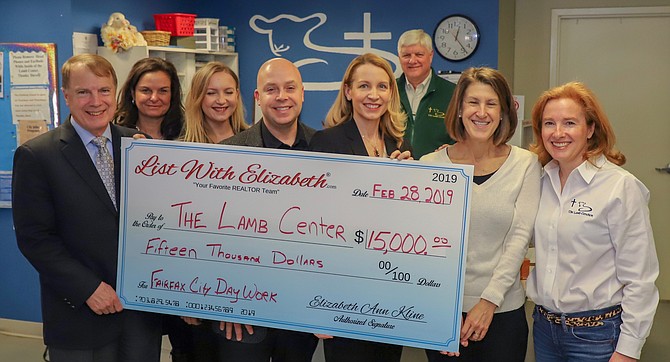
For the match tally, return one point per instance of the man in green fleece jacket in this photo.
(423, 94)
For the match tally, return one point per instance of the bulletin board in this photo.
(28, 101)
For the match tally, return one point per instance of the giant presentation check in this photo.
(350, 246)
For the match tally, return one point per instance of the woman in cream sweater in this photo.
(481, 118)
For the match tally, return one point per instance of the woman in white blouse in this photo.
(596, 263)
(481, 118)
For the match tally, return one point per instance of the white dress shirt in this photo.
(87, 136)
(595, 248)
(415, 95)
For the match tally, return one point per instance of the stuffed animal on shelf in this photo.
(117, 34)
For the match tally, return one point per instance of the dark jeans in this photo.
(558, 342)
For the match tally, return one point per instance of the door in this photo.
(623, 55)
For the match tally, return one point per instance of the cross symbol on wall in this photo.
(366, 35)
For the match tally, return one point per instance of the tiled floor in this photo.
(23, 348)
(20, 349)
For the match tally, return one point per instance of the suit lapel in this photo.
(390, 144)
(256, 135)
(76, 154)
(116, 148)
(355, 139)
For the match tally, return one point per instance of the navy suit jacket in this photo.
(67, 227)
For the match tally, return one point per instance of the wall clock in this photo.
(456, 37)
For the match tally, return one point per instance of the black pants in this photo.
(140, 341)
(279, 345)
(340, 349)
(505, 341)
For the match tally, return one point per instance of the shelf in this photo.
(185, 60)
(190, 51)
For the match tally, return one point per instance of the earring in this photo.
(132, 101)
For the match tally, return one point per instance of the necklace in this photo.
(159, 137)
(372, 144)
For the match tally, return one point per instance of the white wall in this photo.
(531, 67)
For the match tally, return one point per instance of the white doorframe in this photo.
(557, 15)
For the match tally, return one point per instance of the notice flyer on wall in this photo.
(28, 68)
(28, 129)
(5, 189)
(30, 103)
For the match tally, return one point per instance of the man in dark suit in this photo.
(67, 224)
(280, 94)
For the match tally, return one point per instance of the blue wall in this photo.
(393, 17)
(53, 21)
(47, 21)
(15, 29)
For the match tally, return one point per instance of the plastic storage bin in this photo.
(207, 34)
(227, 37)
(178, 24)
(204, 22)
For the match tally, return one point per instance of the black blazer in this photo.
(67, 227)
(346, 139)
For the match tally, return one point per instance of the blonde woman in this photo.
(365, 120)
(214, 110)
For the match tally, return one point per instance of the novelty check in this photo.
(350, 246)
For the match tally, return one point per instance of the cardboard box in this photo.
(187, 42)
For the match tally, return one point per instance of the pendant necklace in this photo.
(160, 137)
(373, 145)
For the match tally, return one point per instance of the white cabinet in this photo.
(187, 61)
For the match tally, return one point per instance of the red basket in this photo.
(178, 24)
